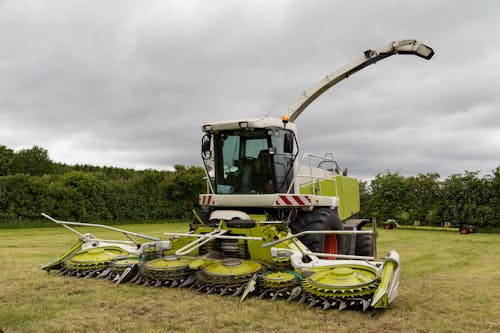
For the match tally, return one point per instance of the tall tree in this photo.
(365, 200)
(467, 199)
(495, 194)
(389, 196)
(34, 161)
(423, 197)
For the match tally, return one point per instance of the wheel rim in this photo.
(331, 246)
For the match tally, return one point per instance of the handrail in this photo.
(199, 242)
(339, 256)
(310, 175)
(320, 232)
(180, 234)
(373, 232)
(328, 232)
(128, 234)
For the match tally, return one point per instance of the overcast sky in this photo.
(129, 83)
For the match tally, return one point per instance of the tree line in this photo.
(31, 183)
(429, 200)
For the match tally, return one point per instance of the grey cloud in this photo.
(129, 84)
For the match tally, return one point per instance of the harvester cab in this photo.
(254, 156)
(271, 223)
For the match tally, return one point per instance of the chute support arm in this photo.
(407, 46)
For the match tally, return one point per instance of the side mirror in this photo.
(206, 143)
(288, 144)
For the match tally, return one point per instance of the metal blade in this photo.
(278, 294)
(132, 273)
(96, 273)
(135, 278)
(239, 291)
(89, 274)
(123, 275)
(211, 290)
(157, 283)
(326, 304)
(250, 287)
(342, 305)
(104, 273)
(365, 303)
(86, 274)
(224, 291)
(188, 281)
(139, 280)
(294, 293)
(263, 294)
(312, 302)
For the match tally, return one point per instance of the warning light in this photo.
(284, 118)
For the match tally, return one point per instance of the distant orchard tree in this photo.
(365, 199)
(495, 197)
(423, 197)
(389, 196)
(34, 161)
(467, 199)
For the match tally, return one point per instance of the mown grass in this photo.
(449, 283)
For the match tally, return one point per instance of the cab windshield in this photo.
(251, 162)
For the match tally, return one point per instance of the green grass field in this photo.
(449, 283)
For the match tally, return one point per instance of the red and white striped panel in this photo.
(207, 200)
(292, 200)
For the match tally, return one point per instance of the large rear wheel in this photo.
(364, 245)
(320, 219)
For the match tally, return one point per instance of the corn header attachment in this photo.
(242, 258)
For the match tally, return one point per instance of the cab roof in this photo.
(246, 123)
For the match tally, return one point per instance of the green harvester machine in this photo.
(271, 224)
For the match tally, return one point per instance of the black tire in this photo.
(364, 245)
(204, 215)
(318, 219)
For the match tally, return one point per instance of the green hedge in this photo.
(93, 196)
